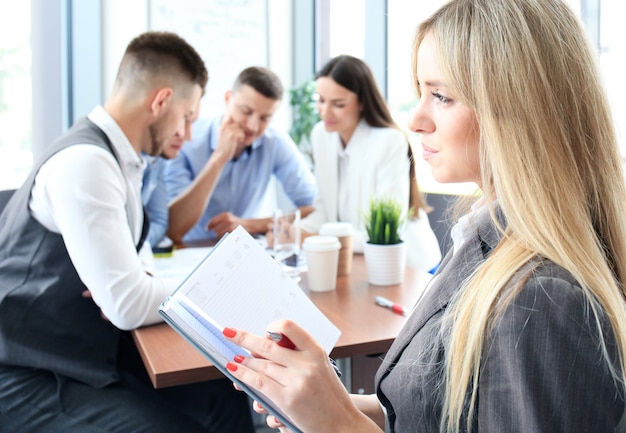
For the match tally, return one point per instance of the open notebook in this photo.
(240, 285)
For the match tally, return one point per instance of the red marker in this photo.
(284, 341)
(384, 302)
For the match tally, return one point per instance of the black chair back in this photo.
(441, 219)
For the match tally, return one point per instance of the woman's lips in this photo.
(427, 152)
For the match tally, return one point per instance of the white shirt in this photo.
(81, 193)
(343, 193)
(464, 229)
(376, 165)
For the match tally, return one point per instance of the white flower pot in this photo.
(385, 263)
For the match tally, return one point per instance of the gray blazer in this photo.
(541, 371)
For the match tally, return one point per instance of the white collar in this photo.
(121, 145)
(462, 230)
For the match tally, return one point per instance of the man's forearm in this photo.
(305, 210)
(257, 225)
(261, 225)
(186, 209)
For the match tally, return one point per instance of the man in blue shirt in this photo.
(220, 178)
(154, 188)
(154, 198)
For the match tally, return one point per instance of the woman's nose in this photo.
(419, 121)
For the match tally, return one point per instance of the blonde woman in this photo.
(523, 329)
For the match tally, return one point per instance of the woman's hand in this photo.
(302, 381)
(270, 420)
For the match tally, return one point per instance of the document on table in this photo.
(181, 263)
(239, 285)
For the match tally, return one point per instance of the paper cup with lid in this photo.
(322, 257)
(343, 231)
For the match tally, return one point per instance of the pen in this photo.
(384, 302)
(284, 341)
(281, 340)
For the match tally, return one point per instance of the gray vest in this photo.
(44, 321)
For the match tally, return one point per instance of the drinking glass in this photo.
(286, 231)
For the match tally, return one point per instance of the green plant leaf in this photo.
(383, 221)
(303, 100)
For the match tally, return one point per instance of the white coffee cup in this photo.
(343, 231)
(322, 257)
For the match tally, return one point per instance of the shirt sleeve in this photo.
(178, 175)
(180, 172)
(544, 370)
(388, 151)
(292, 172)
(392, 173)
(315, 219)
(85, 193)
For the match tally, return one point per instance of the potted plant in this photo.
(303, 99)
(385, 251)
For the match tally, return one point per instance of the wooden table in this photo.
(366, 328)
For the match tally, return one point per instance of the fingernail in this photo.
(231, 367)
(229, 332)
(239, 358)
(276, 420)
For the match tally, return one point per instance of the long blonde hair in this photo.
(548, 152)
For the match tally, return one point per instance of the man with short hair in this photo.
(75, 274)
(220, 179)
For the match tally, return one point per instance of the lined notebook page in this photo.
(240, 285)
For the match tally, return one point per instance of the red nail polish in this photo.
(231, 367)
(229, 332)
(239, 358)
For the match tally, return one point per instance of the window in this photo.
(15, 94)
(347, 28)
(612, 54)
(403, 18)
(603, 20)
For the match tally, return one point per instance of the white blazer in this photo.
(378, 167)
